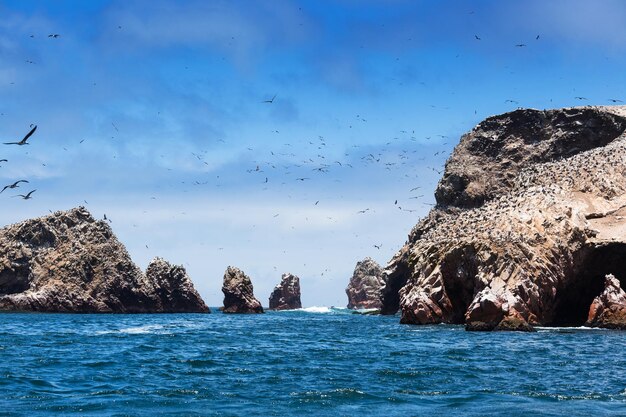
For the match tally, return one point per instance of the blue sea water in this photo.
(322, 362)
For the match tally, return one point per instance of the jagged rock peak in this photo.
(70, 262)
(364, 288)
(286, 295)
(530, 218)
(174, 288)
(239, 293)
(608, 309)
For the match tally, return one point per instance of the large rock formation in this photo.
(286, 295)
(239, 293)
(364, 288)
(608, 310)
(69, 262)
(530, 217)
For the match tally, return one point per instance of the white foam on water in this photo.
(317, 309)
(150, 328)
(147, 329)
(556, 329)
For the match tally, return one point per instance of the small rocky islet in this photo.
(70, 262)
(529, 230)
(286, 295)
(239, 293)
(364, 288)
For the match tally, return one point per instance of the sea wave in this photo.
(562, 329)
(317, 309)
(147, 329)
(333, 310)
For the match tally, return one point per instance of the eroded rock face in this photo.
(286, 295)
(364, 289)
(239, 293)
(69, 262)
(530, 218)
(608, 310)
(174, 288)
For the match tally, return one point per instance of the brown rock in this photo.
(364, 289)
(69, 262)
(530, 217)
(286, 295)
(608, 310)
(239, 293)
(174, 288)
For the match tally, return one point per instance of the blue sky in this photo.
(152, 113)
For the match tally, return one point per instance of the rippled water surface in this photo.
(321, 362)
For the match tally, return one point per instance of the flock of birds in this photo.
(17, 183)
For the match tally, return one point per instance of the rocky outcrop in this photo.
(364, 289)
(239, 293)
(530, 217)
(608, 310)
(286, 295)
(69, 262)
(173, 287)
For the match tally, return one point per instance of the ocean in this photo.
(318, 362)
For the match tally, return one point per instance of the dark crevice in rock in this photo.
(574, 299)
(390, 293)
(459, 271)
(15, 280)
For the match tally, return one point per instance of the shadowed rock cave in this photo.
(459, 270)
(574, 300)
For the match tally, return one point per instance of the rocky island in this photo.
(530, 218)
(238, 293)
(364, 288)
(286, 295)
(70, 262)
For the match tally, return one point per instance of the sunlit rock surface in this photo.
(530, 217)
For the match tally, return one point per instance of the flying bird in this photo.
(477, 38)
(270, 101)
(580, 98)
(54, 35)
(14, 185)
(25, 197)
(612, 100)
(23, 141)
(520, 45)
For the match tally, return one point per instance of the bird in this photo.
(25, 197)
(612, 100)
(378, 246)
(270, 101)
(23, 141)
(14, 185)
(4, 160)
(537, 38)
(520, 45)
(580, 98)
(477, 38)
(54, 35)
